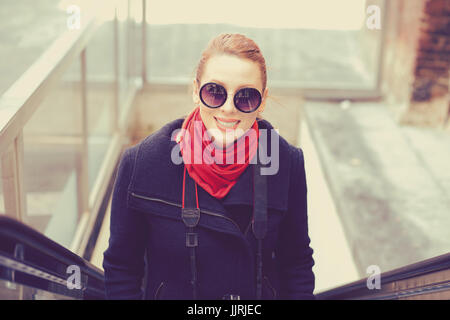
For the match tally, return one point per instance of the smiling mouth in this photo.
(227, 124)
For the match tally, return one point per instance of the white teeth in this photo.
(227, 124)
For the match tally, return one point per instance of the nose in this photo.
(228, 107)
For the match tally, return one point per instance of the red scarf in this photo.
(201, 156)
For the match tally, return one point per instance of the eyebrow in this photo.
(241, 86)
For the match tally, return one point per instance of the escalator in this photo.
(33, 267)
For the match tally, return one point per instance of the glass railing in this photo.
(63, 122)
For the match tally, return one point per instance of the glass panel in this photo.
(27, 29)
(52, 160)
(123, 51)
(136, 38)
(100, 94)
(316, 44)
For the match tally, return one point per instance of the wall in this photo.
(416, 61)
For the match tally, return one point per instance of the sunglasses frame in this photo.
(234, 97)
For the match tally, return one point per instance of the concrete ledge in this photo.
(334, 265)
(393, 206)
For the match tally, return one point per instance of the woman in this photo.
(199, 209)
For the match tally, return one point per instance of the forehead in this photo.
(232, 71)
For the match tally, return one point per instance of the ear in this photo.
(195, 93)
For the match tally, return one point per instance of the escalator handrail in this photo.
(19, 233)
(359, 288)
(22, 234)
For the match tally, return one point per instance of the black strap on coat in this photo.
(191, 216)
(259, 225)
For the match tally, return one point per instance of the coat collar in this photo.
(155, 175)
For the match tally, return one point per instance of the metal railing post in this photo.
(13, 180)
(144, 43)
(83, 187)
(116, 73)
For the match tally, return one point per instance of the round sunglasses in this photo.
(214, 95)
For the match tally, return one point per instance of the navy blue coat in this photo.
(146, 222)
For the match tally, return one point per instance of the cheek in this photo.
(207, 114)
(247, 121)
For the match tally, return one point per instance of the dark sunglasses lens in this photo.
(213, 95)
(247, 99)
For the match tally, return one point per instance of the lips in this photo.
(224, 124)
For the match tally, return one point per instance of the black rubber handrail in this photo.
(44, 254)
(359, 289)
(44, 257)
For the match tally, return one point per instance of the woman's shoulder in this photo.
(156, 148)
(160, 137)
(284, 165)
(286, 149)
(155, 161)
(166, 131)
